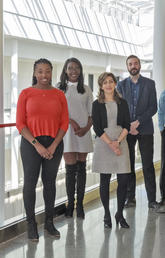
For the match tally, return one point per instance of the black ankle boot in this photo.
(32, 231)
(50, 228)
(121, 220)
(81, 182)
(70, 188)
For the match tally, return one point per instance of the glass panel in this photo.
(13, 26)
(102, 44)
(80, 14)
(45, 31)
(71, 35)
(107, 45)
(133, 50)
(64, 19)
(133, 33)
(30, 28)
(118, 29)
(140, 52)
(127, 49)
(21, 7)
(8, 6)
(35, 10)
(126, 32)
(57, 32)
(94, 42)
(93, 20)
(103, 23)
(49, 9)
(75, 19)
(83, 40)
(112, 46)
(120, 48)
(111, 26)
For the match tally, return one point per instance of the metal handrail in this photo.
(7, 125)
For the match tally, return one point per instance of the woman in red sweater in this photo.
(42, 120)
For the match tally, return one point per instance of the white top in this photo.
(80, 108)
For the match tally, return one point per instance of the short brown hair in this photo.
(132, 56)
(101, 79)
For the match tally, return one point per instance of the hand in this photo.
(133, 132)
(81, 132)
(74, 124)
(44, 153)
(114, 145)
(52, 149)
(134, 125)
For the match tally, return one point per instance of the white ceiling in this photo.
(134, 5)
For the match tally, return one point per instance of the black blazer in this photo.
(146, 105)
(99, 116)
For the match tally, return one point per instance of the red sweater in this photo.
(42, 111)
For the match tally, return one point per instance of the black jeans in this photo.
(122, 180)
(146, 151)
(32, 162)
(162, 172)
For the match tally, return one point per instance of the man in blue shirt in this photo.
(161, 123)
(140, 95)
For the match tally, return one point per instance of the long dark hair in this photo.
(101, 95)
(62, 85)
(40, 61)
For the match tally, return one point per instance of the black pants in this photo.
(122, 180)
(32, 162)
(146, 151)
(162, 172)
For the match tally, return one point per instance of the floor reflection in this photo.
(148, 243)
(104, 251)
(75, 239)
(88, 239)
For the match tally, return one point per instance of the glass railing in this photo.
(13, 173)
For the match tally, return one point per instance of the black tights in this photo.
(122, 180)
(32, 162)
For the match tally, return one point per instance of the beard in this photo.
(134, 71)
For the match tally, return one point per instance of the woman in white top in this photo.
(78, 140)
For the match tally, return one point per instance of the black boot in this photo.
(50, 228)
(70, 188)
(81, 182)
(32, 231)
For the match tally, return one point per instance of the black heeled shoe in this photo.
(121, 221)
(107, 222)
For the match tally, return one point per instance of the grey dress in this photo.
(80, 108)
(104, 159)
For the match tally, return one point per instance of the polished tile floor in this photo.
(89, 239)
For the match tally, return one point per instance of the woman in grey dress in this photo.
(111, 123)
(78, 140)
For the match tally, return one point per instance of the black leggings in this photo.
(122, 180)
(32, 162)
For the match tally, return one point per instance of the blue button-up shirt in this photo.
(161, 111)
(134, 98)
